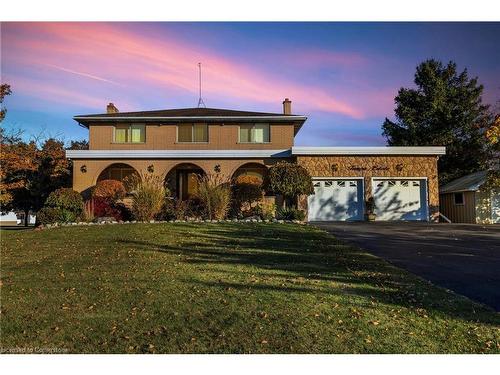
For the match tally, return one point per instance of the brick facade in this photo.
(164, 137)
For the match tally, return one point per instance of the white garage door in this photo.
(397, 199)
(336, 200)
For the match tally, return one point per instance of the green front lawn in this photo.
(223, 288)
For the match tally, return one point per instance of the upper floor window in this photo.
(134, 133)
(254, 133)
(192, 133)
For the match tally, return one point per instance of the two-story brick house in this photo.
(178, 144)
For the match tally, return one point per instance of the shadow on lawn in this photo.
(325, 265)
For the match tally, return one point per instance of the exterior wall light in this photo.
(217, 168)
(151, 168)
(335, 167)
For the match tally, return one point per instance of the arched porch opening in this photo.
(255, 170)
(119, 172)
(182, 180)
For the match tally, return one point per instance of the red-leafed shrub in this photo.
(104, 208)
(109, 190)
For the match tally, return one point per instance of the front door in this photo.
(187, 183)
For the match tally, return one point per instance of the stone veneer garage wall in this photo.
(368, 166)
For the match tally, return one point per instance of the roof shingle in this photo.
(186, 112)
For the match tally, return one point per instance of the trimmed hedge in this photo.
(62, 206)
(66, 199)
(50, 215)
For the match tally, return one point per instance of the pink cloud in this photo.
(111, 53)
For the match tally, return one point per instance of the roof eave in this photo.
(311, 151)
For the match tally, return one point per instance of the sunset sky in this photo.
(343, 76)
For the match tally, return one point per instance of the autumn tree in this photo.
(30, 173)
(493, 133)
(5, 196)
(445, 109)
(4, 91)
(79, 145)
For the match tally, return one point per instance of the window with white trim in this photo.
(253, 133)
(131, 133)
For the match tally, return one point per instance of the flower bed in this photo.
(112, 222)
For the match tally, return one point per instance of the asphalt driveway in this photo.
(462, 257)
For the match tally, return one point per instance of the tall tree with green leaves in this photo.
(445, 109)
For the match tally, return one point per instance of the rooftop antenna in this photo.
(201, 103)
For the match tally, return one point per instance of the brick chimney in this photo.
(287, 107)
(111, 108)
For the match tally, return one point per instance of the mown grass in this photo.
(223, 288)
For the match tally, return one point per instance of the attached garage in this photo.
(403, 182)
(336, 199)
(400, 199)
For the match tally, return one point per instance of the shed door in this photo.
(336, 200)
(400, 199)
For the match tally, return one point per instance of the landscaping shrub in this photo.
(110, 190)
(62, 206)
(289, 180)
(266, 210)
(148, 196)
(175, 209)
(51, 215)
(214, 192)
(105, 202)
(66, 199)
(245, 191)
(104, 208)
(290, 214)
(48, 215)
